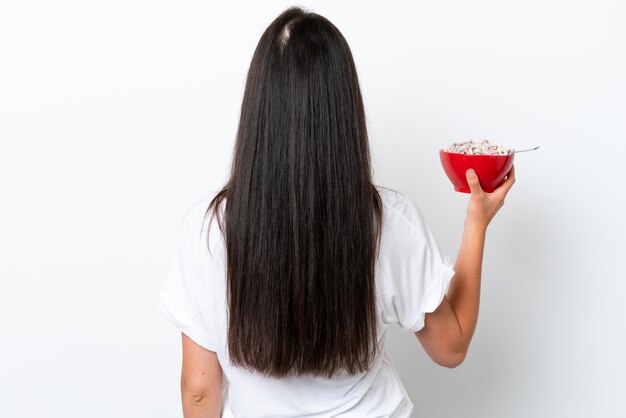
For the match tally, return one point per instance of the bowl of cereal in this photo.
(490, 162)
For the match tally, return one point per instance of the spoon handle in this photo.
(524, 150)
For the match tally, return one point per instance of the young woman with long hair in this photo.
(284, 282)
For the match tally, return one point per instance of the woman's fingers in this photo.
(511, 174)
(508, 183)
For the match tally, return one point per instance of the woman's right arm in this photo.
(448, 330)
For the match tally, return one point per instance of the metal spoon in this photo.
(524, 150)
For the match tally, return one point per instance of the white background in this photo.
(116, 115)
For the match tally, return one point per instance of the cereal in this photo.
(482, 147)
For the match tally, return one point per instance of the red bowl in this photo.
(490, 169)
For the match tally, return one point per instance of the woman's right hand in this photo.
(483, 206)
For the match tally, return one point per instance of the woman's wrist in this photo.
(473, 225)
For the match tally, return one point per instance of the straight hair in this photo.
(302, 218)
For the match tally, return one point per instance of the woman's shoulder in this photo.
(195, 211)
(200, 224)
(401, 206)
(389, 196)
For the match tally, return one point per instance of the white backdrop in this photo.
(116, 115)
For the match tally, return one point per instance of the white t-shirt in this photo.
(411, 280)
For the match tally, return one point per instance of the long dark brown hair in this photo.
(302, 217)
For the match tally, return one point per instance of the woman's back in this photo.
(411, 279)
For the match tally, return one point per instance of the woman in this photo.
(284, 302)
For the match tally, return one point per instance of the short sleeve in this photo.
(417, 276)
(186, 295)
